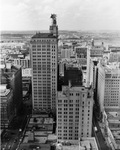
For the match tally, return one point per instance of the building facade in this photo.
(74, 113)
(44, 47)
(81, 52)
(96, 50)
(25, 63)
(74, 74)
(6, 106)
(108, 87)
(13, 79)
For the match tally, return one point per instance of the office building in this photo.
(74, 113)
(96, 50)
(61, 67)
(66, 52)
(25, 63)
(108, 91)
(20, 60)
(114, 57)
(90, 66)
(6, 106)
(44, 48)
(12, 77)
(81, 52)
(26, 82)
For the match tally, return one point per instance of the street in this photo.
(12, 136)
(99, 137)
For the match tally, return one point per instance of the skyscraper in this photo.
(44, 50)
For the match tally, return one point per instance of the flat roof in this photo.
(89, 142)
(43, 35)
(42, 120)
(3, 90)
(113, 116)
(31, 146)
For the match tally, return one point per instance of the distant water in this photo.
(108, 37)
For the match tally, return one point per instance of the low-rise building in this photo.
(41, 123)
(88, 143)
(112, 128)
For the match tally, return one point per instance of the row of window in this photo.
(71, 101)
(43, 45)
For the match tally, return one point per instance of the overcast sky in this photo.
(71, 14)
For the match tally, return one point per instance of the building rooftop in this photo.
(113, 115)
(34, 146)
(3, 90)
(15, 56)
(112, 68)
(114, 118)
(85, 144)
(66, 90)
(43, 35)
(42, 120)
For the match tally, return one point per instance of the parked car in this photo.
(95, 128)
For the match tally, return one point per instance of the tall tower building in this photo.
(44, 53)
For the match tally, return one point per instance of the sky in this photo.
(71, 14)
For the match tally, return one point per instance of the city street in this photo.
(12, 136)
(11, 140)
(99, 137)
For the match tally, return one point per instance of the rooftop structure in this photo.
(43, 35)
(3, 90)
(112, 126)
(83, 144)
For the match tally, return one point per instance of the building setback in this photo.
(74, 113)
(44, 51)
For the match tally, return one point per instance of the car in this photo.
(20, 140)
(9, 146)
(20, 130)
(95, 128)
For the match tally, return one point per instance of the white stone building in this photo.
(74, 113)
